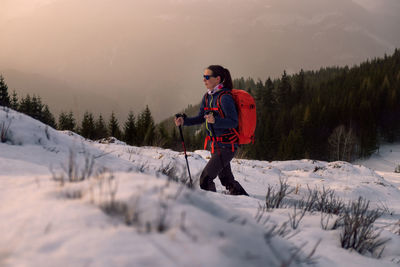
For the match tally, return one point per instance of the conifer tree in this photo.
(66, 121)
(14, 101)
(175, 144)
(36, 108)
(145, 127)
(299, 87)
(100, 128)
(87, 127)
(62, 121)
(284, 90)
(162, 137)
(26, 105)
(130, 130)
(71, 121)
(4, 97)
(47, 117)
(113, 127)
(149, 126)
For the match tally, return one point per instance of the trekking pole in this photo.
(184, 149)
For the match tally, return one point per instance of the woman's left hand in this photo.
(210, 118)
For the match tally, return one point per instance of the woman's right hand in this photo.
(179, 121)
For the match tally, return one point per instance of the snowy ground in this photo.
(384, 162)
(129, 211)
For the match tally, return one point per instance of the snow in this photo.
(131, 211)
(384, 162)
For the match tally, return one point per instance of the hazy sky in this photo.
(124, 54)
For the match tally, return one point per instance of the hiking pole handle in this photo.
(181, 115)
(178, 116)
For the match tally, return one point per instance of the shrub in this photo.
(4, 131)
(326, 221)
(325, 201)
(384, 208)
(296, 218)
(294, 255)
(308, 203)
(72, 172)
(358, 232)
(328, 202)
(274, 199)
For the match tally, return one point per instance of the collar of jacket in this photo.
(216, 89)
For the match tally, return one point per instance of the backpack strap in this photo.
(229, 138)
(221, 112)
(233, 136)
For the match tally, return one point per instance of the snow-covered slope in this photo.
(131, 211)
(386, 159)
(385, 162)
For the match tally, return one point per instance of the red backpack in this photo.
(246, 108)
(247, 118)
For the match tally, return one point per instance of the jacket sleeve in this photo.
(231, 117)
(199, 119)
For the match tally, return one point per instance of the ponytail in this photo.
(225, 75)
(228, 80)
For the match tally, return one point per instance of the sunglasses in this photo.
(207, 77)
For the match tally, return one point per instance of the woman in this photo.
(218, 111)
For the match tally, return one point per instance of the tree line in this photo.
(139, 130)
(331, 114)
(335, 113)
(30, 105)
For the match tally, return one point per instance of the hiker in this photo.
(219, 112)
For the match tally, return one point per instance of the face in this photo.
(212, 82)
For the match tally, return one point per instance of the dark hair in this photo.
(225, 75)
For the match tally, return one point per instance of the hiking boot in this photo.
(236, 189)
(207, 184)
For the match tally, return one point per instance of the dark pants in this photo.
(220, 165)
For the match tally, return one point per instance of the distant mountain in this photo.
(57, 93)
(153, 52)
